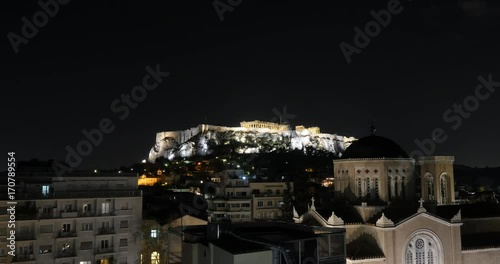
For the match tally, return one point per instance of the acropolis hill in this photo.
(250, 137)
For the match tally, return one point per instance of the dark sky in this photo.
(264, 55)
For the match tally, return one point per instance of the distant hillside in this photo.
(214, 140)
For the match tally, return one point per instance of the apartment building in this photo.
(80, 218)
(231, 201)
(243, 201)
(263, 242)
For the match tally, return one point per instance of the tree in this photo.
(287, 208)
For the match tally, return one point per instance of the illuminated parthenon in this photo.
(263, 124)
(256, 124)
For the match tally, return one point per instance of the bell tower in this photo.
(437, 179)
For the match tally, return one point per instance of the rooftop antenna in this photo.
(373, 129)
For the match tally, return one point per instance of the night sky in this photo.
(262, 56)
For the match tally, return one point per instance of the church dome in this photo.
(374, 147)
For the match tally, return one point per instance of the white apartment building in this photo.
(241, 201)
(82, 218)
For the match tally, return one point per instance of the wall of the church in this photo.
(437, 168)
(480, 225)
(385, 178)
(447, 234)
(483, 256)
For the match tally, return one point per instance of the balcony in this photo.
(80, 194)
(69, 214)
(104, 250)
(66, 254)
(123, 212)
(62, 234)
(25, 236)
(28, 258)
(106, 231)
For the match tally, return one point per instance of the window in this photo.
(403, 187)
(124, 224)
(86, 208)
(430, 187)
(423, 248)
(45, 249)
(389, 187)
(360, 191)
(368, 191)
(66, 228)
(278, 191)
(47, 209)
(375, 183)
(87, 226)
(105, 208)
(260, 203)
(396, 187)
(235, 205)
(68, 208)
(245, 205)
(443, 189)
(104, 244)
(155, 233)
(86, 245)
(155, 258)
(45, 190)
(46, 229)
(105, 225)
(123, 242)
(65, 247)
(269, 203)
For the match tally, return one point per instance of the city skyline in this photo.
(248, 63)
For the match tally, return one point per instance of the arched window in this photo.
(423, 248)
(389, 187)
(443, 188)
(403, 187)
(396, 187)
(430, 187)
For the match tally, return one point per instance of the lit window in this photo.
(154, 233)
(105, 208)
(45, 190)
(44, 249)
(155, 258)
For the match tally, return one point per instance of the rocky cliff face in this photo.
(211, 140)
